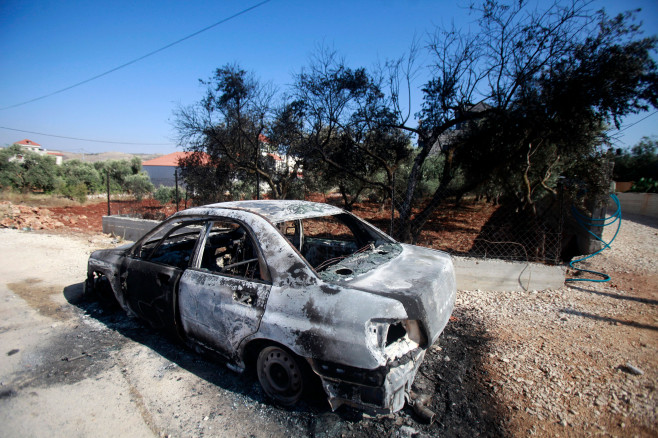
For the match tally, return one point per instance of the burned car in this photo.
(295, 288)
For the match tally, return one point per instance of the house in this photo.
(162, 170)
(30, 145)
(35, 147)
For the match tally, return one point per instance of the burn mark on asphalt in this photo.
(7, 393)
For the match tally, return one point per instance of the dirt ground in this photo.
(578, 361)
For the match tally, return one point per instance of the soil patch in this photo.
(41, 298)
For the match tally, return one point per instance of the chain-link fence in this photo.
(475, 227)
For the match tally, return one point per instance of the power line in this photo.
(86, 139)
(112, 70)
(635, 123)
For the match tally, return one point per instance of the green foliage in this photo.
(135, 165)
(119, 171)
(165, 195)
(207, 182)
(524, 98)
(10, 171)
(139, 185)
(640, 162)
(75, 171)
(429, 176)
(26, 171)
(241, 189)
(77, 192)
(645, 185)
(553, 121)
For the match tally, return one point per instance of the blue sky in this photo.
(48, 45)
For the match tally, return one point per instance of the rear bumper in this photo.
(380, 391)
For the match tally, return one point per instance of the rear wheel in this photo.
(280, 374)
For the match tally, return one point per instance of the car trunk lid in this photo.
(422, 279)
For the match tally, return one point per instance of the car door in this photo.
(151, 273)
(222, 298)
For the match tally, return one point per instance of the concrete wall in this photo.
(128, 228)
(645, 204)
(499, 275)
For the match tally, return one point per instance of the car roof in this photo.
(273, 210)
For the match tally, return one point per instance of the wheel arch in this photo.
(254, 346)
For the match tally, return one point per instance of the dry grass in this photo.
(36, 199)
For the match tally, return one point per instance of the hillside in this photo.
(104, 156)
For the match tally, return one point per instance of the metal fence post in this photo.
(390, 228)
(108, 192)
(176, 180)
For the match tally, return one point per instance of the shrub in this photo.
(165, 195)
(138, 185)
(77, 192)
(645, 185)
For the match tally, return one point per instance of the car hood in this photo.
(421, 279)
(108, 257)
(112, 253)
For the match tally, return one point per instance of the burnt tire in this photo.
(281, 375)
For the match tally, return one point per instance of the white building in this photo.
(32, 146)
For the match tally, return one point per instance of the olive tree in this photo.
(228, 133)
(528, 90)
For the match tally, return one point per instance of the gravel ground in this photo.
(578, 361)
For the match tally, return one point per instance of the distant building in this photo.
(30, 145)
(35, 147)
(162, 170)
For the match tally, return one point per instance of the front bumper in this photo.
(380, 391)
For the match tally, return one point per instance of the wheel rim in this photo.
(280, 375)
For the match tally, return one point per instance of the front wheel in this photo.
(280, 375)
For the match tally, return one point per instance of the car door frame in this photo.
(150, 288)
(229, 298)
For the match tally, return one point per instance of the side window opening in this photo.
(172, 245)
(230, 250)
(327, 239)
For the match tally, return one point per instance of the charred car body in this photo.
(295, 285)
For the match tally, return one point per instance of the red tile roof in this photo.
(171, 160)
(27, 142)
